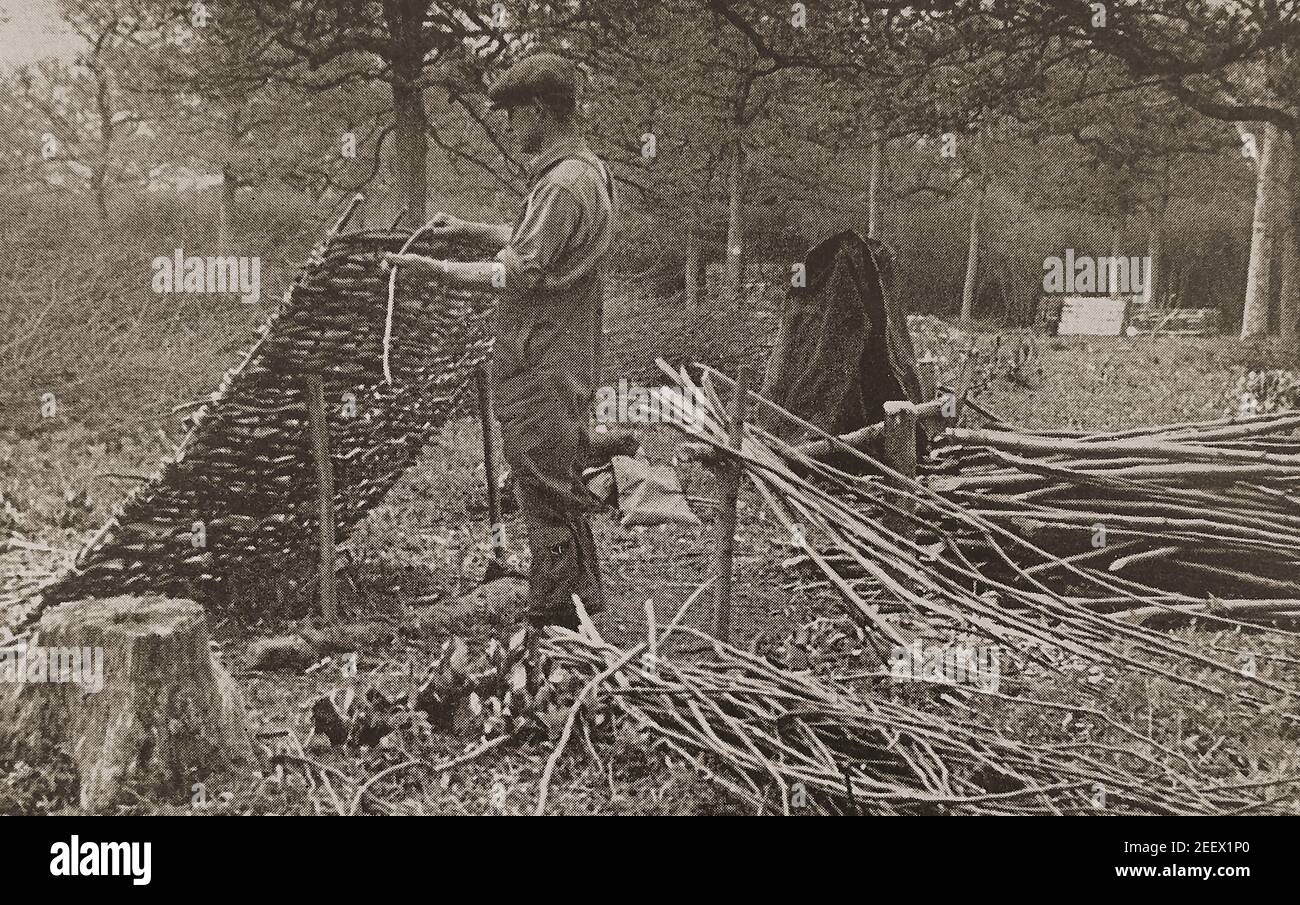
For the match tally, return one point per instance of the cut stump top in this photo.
(125, 616)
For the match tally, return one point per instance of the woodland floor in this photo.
(426, 542)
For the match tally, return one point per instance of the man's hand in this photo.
(418, 262)
(445, 226)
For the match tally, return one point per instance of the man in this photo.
(549, 277)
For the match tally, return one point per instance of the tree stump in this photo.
(148, 709)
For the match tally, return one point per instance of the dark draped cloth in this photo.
(843, 347)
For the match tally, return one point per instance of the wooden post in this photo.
(318, 420)
(342, 221)
(951, 410)
(724, 544)
(482, 380)
(928, 373)
(900, 455)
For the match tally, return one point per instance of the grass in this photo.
(1109, 384)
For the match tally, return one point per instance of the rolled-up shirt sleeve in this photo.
(553, 217)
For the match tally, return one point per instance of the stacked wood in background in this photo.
(1145, 319)
(1200, 509)
(240, 487)
(1093, 315)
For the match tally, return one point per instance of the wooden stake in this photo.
(314, 387)
(927, 371)
(952, 411)
(482, 380)
(725, 539)
(347, 215)
(900, 455)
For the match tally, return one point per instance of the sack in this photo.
(650, 494)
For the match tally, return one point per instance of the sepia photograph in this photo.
(685, 408)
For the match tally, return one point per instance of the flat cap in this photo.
(539, 75)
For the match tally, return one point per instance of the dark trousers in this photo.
(546, 449)
(564, 558)
(544, 408)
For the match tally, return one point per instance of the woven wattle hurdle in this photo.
(244, 470)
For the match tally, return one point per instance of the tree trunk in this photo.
(104, 104)
(226, 211)
(1116, 242)
(228, 198)
(1254, 315)
(1289, 297)
(873, 188)
(693, 264)
(735, 228)
(164, 714)
(972, 259)
(1151, 288)
(411, 144)
(101, 197)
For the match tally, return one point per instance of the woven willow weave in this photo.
(241, 487)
